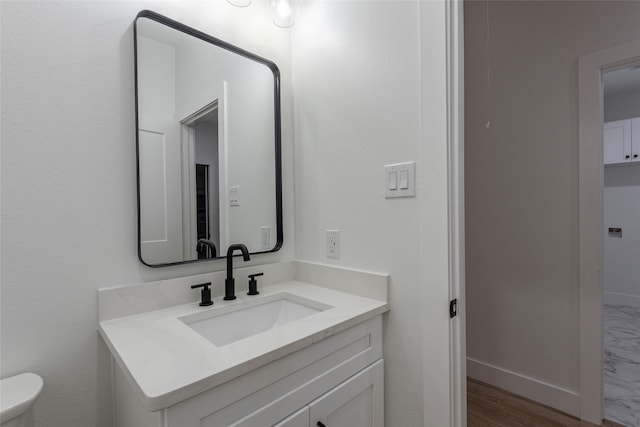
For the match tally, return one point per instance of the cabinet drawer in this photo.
(356, 402)
(284, 386)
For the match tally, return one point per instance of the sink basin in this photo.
(223, 327)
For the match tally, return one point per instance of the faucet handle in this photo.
(253, 284)
(205, 294)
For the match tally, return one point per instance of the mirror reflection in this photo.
(208, 145)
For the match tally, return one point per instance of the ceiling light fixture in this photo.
(240, 3)
(282, 13)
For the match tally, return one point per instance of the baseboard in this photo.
(615, 298)
(548, 394)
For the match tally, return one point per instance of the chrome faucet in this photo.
(229, 282)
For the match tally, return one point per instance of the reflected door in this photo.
(160, 189)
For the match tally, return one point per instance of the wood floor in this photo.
(488, 406)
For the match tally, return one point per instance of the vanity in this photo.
(297, 354)
(301, 348)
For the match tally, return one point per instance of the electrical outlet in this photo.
(333, 243)
(265, 237)
(234, 195)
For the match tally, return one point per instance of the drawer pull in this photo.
(321, 424)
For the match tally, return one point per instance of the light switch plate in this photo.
(400, 180)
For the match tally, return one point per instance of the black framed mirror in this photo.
(208, 145)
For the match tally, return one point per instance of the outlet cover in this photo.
(234, 196)
(333, 243)
(265, 237)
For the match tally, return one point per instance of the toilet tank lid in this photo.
(17, 393)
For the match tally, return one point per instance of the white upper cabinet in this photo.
(622, 141)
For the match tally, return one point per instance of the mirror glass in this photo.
(208, 145)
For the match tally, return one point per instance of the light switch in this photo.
(400, 180)
(393, 180)
(404, 180)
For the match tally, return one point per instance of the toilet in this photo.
(17, 395)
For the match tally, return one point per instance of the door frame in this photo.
(188, 149)
(455, 160)
(187, 141)
(591, 182)
(443, 346)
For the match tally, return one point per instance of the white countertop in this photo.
(166, 361)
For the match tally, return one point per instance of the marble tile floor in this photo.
(622, 364)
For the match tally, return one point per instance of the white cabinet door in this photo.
(635, 139)
(357, 402)
(160, 191)
(617, 142)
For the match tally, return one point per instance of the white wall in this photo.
(362, 100)
(522, 187)
(621, 255)
(69, 183)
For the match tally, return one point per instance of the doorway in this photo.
(202, 175)
(592, 66)
(621, 251)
